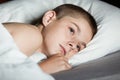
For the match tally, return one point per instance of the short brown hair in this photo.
(75, 12)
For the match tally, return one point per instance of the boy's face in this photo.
(65, 35)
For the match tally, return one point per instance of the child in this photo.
(60, 34)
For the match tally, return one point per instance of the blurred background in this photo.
(113, 2)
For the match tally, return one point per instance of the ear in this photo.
(48, 17)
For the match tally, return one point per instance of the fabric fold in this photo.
(14, 65)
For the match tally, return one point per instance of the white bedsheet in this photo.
(14, 65)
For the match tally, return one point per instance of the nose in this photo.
(73, 46)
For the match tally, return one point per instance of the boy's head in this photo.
(67, 28)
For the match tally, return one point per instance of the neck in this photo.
(40, 27)
(42, 48)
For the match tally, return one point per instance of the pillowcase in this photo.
(107, 16)
(28, 10)
(107, 38)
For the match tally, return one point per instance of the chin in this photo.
(53, 52)
(48, 54)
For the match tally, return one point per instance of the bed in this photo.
(100, 60)
(105, 68)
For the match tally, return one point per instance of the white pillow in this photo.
(27, 10)
(107, 38)
(107, 16)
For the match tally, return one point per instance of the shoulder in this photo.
(23, 30)
(27, 37)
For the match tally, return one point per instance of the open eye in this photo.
(78, 47)
(72, 30)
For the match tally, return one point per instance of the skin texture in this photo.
(62, 39)
(77, 33)
(59, 39)
(27, 37)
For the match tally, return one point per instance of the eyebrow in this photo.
(76, 26)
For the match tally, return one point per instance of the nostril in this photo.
(71, 45)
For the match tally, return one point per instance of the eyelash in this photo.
(72, 30)
(78, 47)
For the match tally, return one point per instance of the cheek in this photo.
(52, 41)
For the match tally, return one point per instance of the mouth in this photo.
(63, 49)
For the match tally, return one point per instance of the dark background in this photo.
(113, 2)
(2, 1)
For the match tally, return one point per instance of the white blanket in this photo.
(14, 65)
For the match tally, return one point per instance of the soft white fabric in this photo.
(27, 10)
(107, 39)
(14, 65)
(37, 57)
(9, 53)
(107, 16)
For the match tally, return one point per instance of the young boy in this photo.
(61, 33)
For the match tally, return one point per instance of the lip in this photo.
(63, 49)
